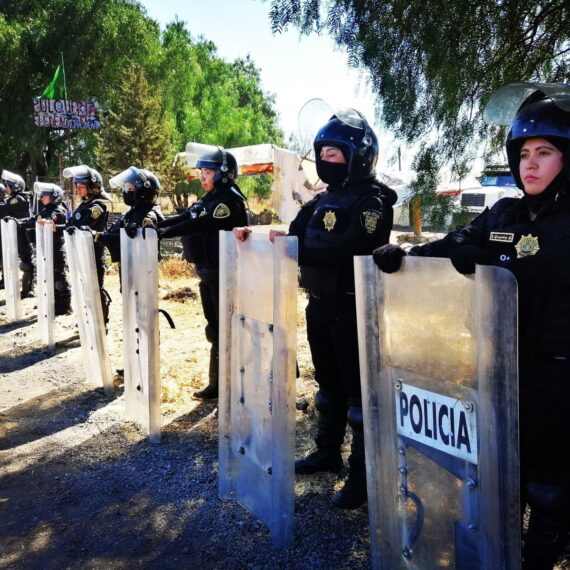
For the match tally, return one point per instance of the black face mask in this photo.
(332, 173)
(129, 198)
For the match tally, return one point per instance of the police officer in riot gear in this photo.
(352, 217)
(531, 238)
(140, 189)
(16, 205)
(221, 208)
(52, 210)
(92, 215)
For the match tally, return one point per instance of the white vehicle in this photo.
(496, 184)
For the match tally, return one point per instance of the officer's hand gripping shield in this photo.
(86, 302)
(438, 357)
(11, 269)
(46, 298)
(258, 335)
(139, 278)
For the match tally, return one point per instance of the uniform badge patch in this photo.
(96, 212)
(221, 211)
(329, 219)
(78, 216)
(527, 245)
(369, 219)
(14, 201)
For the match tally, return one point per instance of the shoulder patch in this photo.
(96, 211)
(221, 211)
(369, 220)
(14, 201)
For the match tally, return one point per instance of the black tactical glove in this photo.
(389, 257)
(161, 232)
(70, 230)
(8, 218)
(131, 230)
(465, 257)
(85, 229)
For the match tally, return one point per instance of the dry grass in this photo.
(175, 268)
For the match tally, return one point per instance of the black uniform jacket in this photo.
(220, 209)
(91, 213)
(142, 216)
(337, 225)
(15, 205)
(538, 253)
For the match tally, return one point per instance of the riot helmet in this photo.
(539, 116)
(139, 186)
(215, 157)
(225, 165)
(349, 131)
(13, 183)
(54, 191)
(84, 174)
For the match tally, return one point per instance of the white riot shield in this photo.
(139, 278)
(258, 337)
(86, 301)
(438, 357)
(46, 300)
(11, 269)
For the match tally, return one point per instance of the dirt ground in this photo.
(82, 488)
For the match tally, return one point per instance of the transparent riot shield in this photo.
(46, 302)
(139, 283)
(438, 356)
(11, 269)
(258, 330)
(86, 301)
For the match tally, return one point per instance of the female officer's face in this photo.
(81, 189)
(332, 154)
(540, 163)
(207, 178)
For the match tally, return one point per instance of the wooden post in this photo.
(416, 214)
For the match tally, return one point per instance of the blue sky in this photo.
(293, 67)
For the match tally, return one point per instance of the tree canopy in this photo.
(433, 63)
(158, 90)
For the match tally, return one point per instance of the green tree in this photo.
(136, 131)
(433, 63)
(98, 39)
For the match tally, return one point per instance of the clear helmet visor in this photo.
(12, 179)
(80, 171)
(504, 103)
(46, 189)
(121, 179)
(316, 113)
(202, 153)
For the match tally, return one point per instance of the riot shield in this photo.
(86, 302)
(438, 357)
(258, 330)
(11, 269)
(139, 279)
(46, 302)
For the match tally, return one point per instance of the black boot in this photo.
(354, 493)
(210, 392)
(330, 435)
(27, 284)
(318, 461)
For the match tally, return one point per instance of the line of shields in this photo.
(438, 357)
(139, 276)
